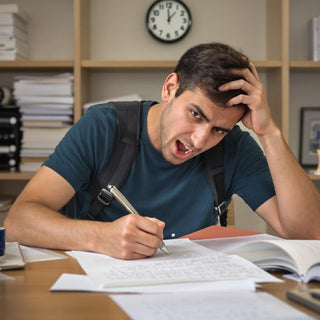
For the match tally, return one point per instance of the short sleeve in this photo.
(247, 170)
(86, 147)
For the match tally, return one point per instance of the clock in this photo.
(168, 20)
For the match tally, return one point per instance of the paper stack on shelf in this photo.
(314, 26)
(46, 105)
(129, 97)
(13, 33)
(10, 138)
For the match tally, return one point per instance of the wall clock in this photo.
(168, 21)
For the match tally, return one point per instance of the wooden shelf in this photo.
(16, 175)
(40, 64)
(92, 64)
(304, 64)
(95, 64)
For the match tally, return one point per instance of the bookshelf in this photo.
(108, 59)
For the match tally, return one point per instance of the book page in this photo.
(297, 255)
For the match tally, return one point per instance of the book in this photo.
(44, 134)
(13, 31)
(15, 45)
(57, 78)
(301, 257)
(12, 18)
(13, 258)
(4, 56)
(43, 89)
(44, 99)
(14, 8)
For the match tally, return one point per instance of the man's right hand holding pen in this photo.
(131, 237)
(114, 192)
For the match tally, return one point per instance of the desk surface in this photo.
(29, 297)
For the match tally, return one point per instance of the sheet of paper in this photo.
(207, 305)
(187, 262)
(5, 277)
(79, 282)
(227, 244)
(31, 254)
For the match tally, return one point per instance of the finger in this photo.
(239, 99)
(147, 244)
(152, 226)
(160, 223)
(254, 71)
(236, 85)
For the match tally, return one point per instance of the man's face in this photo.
(191, 124)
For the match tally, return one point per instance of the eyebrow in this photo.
(199, 110)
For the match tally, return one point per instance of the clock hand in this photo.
(172, 15)
(168, 11)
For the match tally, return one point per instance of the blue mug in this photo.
(2, 241)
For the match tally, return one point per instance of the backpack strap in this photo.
(124, 152)
(213, 161)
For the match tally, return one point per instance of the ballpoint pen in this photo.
(129, 207)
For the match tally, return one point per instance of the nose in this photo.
(199, 137)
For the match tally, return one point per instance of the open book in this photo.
(301, 257)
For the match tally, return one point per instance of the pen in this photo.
(129, 207)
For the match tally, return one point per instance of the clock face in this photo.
(168, 20)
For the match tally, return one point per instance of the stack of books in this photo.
(10, 138)
(314, 26)
(46, 105)
(13, 33)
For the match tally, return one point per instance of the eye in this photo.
(220, 131)
(195, 114)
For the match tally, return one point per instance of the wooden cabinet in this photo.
(111, 53)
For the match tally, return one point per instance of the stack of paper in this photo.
(46, 104)
(192, 282)
(13, 33)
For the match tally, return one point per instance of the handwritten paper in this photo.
(207, 305)
(187, 262)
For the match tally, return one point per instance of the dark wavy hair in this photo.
(207, 66)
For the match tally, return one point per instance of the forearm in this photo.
(130, 237)
(33, 224)
(297, 197)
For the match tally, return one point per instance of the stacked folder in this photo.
(10, 138)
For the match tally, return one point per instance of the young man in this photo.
(211, 89)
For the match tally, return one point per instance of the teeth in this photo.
(188, 150)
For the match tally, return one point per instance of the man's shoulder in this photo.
(236, 134)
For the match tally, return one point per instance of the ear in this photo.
(170, 87)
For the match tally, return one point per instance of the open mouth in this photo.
(183, 150)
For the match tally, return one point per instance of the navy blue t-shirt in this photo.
(179, 195)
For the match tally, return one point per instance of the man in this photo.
(212, 88)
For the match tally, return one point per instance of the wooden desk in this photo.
(28, 296)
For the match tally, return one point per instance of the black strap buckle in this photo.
(105, 196)
(222, 211)
(221, 208)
